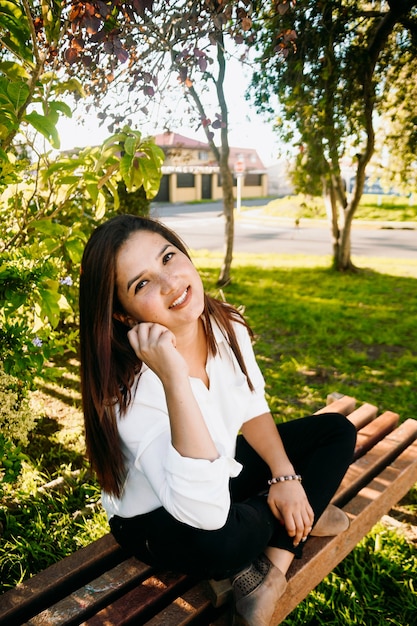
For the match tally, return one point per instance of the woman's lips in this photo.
(180, 299)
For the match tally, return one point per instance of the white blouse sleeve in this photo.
(194, 491)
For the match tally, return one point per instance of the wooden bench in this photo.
(100, 585)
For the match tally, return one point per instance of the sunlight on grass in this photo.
(371, 207)
(382, 265)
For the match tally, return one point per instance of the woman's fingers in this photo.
(293, 511)
(147, 336)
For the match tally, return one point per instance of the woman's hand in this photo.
(155, 345)
(288, 502)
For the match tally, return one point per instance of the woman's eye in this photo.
(140, 285)
(167, 257)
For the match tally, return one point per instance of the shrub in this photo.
(17, 418)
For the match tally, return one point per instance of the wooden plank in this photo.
(366, 467)
(376, 430)
(37, 593)
(145, 600)
(95, 595)
(184, 609)
(363, 415)
(343, 404)
(321, 555)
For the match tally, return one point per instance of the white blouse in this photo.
(194, 491)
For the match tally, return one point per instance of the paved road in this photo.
(202, 227)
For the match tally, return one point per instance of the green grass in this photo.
(371, 207)
(373, 586)
(316, 332)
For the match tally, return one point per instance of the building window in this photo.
(253, 180)
(185, 180)
(203, 155)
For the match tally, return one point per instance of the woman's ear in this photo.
(125, 319)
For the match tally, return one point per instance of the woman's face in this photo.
(156, 282)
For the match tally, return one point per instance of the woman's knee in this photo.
(343, 429)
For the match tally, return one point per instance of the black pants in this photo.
(320, 448)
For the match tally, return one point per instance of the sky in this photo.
(247, 129)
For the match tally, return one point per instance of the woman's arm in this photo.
(287, 500)
(155, 345)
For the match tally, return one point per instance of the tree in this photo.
(333, 66)
(154, 41)
(49, 202)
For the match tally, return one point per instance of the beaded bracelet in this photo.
(282, 479)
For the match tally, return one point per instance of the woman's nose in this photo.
(168, 283)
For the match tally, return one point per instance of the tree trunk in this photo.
(330, 203)
(222, 158)
(228, 208)
(344, 262)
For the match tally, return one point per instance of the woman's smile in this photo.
(180, 300)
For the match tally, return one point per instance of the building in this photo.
(190, 171)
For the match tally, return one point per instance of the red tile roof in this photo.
(174, 140)
(248, 155)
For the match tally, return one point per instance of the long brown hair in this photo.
(108, 363)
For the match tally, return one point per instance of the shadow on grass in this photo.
(51, 456)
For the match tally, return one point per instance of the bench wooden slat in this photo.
(93, 596)
(363, 415)
(322, 554)
(37, 593)
(374, 431)
(342, 404)
(184, 608)
(151, 596)
(367, 466)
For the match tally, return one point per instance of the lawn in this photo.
(389, 208)
(316, 332)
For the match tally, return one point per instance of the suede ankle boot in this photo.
(332, 522)
(256, 591)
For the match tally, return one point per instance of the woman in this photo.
(169, 380)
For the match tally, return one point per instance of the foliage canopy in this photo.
(337, 69)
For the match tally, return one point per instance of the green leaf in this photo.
(125, 170)
(49, 305)
(48, 227)
(72, 85)
(60, 107)
(15, 24)
(130, 145)
(63, 165)
(100, 207)
(93, 191)
(5, 126)
(14, 299)
(75, 249)
(151, 177)
(44, 125)
(12, 9)
(18, 93)
(13, 71)
(51, 14)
